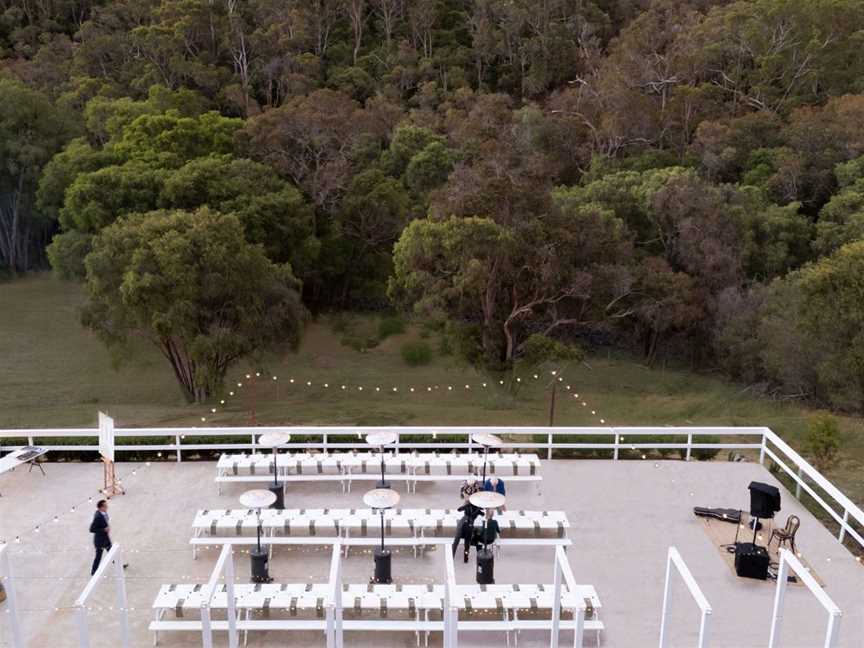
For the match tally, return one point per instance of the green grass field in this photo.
(54, 373)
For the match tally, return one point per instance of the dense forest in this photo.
(679, 178)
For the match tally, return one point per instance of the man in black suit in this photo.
(101, 531)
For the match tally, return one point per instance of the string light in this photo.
(55, 518)
(555, 373)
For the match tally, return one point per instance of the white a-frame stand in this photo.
(112, 485)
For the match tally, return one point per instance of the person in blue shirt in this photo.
(494, 484)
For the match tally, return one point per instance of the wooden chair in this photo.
(787, 533)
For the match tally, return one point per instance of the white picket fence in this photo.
(614, 440)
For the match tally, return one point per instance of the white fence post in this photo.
(556, 605)
(11, 600)
(842, 535)
(666, 591)
(233, 639)
(615, 452)
(798, 484)
(450, 614)
(565, 574)
(206, 627)
(81, 622)
(177, 441)
(549, 441)
(334, 618)
(689, 445)
(762, 449)
(122, 601)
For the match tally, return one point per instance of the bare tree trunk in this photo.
(357, 15)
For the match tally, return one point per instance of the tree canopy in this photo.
(191, 284)
(661, 176)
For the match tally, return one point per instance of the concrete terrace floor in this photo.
(624, 515)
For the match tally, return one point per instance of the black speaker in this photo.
(764, 500)
(751, 561)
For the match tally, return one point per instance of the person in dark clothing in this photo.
(101, 531)
(493, 530)
(470, 486)
(465, 527)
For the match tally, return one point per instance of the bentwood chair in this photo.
(787, 533)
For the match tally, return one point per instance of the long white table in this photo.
(346, 467)
(326, 526)
(411, 608)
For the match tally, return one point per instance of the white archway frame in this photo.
(225, 563)
(788, 561)
(7, 579)
(674, 559)
(115, 557)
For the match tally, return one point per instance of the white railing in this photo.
(619, 438)
(615, 440)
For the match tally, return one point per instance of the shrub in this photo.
(705, 454)
(823, 441)
(360, 342)
(538, 349)
(416, 354)
(388, 326)
(341, 323)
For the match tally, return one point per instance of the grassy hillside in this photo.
(54, 373)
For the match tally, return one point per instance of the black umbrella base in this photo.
(383, 574)
(260, 565)
(485, 567)
(279, 491)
